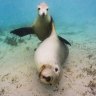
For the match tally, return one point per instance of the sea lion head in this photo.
(49, 74)
(42, 9)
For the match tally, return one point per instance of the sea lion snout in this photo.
(49, 74)
(48, 79)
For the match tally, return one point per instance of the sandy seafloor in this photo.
(18, 75)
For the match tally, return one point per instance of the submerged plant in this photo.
(20, 40)
(11, 41)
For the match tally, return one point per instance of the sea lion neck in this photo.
(44, 18)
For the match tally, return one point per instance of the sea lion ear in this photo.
(41, 69)
(52, 19)
(51, 24)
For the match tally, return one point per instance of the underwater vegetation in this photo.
(13, 41)
(75, 20)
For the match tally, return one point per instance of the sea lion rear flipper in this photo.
(64, 40)
(60, 38)
(23, 31)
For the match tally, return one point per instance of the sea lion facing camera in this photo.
(49, 57)
(42, 27)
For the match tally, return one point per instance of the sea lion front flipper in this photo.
(64, 40)
(23, 31)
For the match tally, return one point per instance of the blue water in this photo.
(75, 19)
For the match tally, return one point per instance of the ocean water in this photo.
(74, 19)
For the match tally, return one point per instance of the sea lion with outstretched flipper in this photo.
(42, 27)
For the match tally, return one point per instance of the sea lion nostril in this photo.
(43, 14)
(48, 78)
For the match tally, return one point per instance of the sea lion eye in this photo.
(38, 8)
(47, 9)
(56, 69)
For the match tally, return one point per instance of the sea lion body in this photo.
(42, 30)
(49, 57)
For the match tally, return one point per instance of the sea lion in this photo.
(42, 27)
(49, 57)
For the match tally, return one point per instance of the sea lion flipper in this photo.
(23, 31)
(64, 40)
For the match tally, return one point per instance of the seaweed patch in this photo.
(11, 41)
